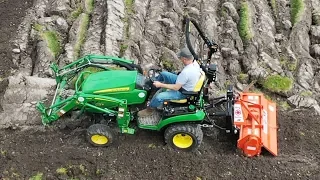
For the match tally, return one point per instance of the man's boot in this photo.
(146, 112)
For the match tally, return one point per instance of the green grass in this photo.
(297, 8)
(224, 12)
(89, 6)
(277, 83)
(84, 23)
(268, 97)
(228, 82)
(76, 13)
(62, 171)
(283, 60)
(129, 6)
(38, 176)
(284, 105)
(242, 76)
(220, 92)
(306, 93)
(98, 172)
(273, 4)
(245, 22)
(3, 152)
(82, 169)
(274, 7)
(316, 17)
(38, 27)
(51, 37)
(53, 42)
(127, 28)
(129, 11)
(123, 48)
(291, 66)
(168, 65)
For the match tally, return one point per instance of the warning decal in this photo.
(265, 121)
(238, 116)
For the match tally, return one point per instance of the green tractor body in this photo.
(107, 91)
(119, 84)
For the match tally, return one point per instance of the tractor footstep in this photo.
(150, 120)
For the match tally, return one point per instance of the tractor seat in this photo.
(195, 91)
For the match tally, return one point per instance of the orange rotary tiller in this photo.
(255, 117)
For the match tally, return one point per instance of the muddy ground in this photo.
(54, 153)
(65, 154)
(11, 14)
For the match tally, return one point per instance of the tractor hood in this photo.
(110, 82)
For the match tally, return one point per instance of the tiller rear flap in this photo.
(255, 116)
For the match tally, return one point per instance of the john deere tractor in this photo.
(116, 89)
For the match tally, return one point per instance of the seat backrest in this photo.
(200, 82)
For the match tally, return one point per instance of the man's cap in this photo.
(184, 52)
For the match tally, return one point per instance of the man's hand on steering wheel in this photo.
(157, 84)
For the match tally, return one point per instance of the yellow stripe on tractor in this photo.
(122, 89)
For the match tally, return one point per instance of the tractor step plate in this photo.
(150, 120)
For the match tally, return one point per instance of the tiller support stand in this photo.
(255, 117)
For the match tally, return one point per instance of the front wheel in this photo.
(100, 135)
(185, 137)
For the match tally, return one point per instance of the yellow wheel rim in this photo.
(182, 140)
(99, 139)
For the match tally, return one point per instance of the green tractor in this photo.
(117, 89)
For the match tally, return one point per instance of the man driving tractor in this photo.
(186, 80)
(181, 120)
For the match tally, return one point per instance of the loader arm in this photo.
(84, 102)
(71, 70)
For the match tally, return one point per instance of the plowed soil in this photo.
(11, 14)
(53, 153)
(65, 154)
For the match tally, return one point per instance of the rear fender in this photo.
(186, 118)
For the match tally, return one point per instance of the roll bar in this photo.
(210, 44)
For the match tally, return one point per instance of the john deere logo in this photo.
(141, 95)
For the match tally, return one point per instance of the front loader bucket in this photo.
(255, 116)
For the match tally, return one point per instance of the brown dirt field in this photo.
(11, 14)
(65, 154)
(25, 153)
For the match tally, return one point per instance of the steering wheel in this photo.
(152, 74)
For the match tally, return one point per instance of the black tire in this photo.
(100, 135)
(191, 134)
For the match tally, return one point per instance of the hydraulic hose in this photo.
(211, 45)
(187, 34)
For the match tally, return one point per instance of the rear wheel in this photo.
(185, 137)
(100, 135)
